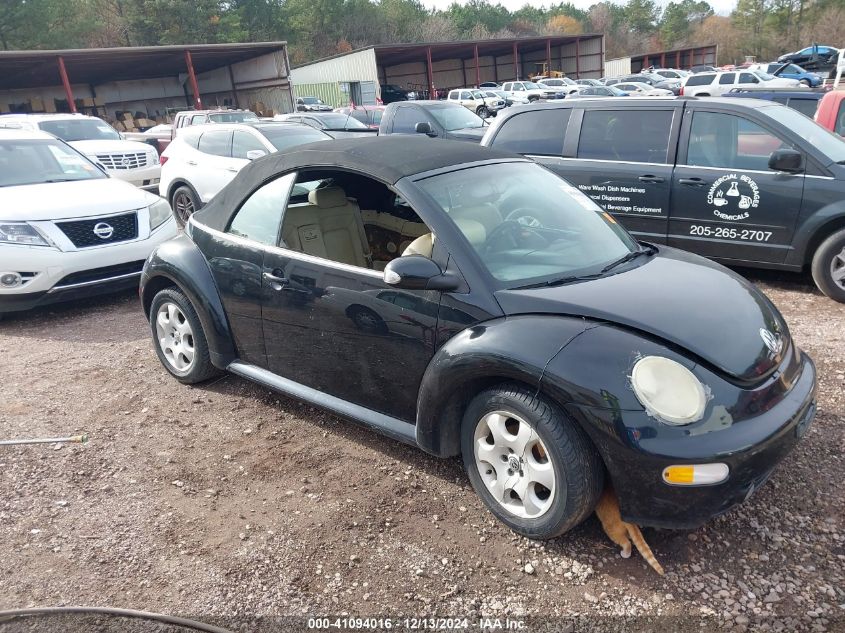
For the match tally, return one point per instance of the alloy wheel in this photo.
(184, 206)
(514, 464)
(837, 269)
(175, 336)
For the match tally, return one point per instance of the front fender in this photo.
(179, 262)
(812, 230)
(502, 350)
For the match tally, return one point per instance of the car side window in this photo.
(217, 143)
(534, 132)
(243, 142)
(701, 80)
(465, 95)
(626, 135)
(405, 120)
(727, 78)
(507, 86)
(731, 142)
(453, 96)
(260, 216)
(197, 119)
(748, 78)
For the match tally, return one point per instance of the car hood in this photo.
(93, 147)
(467, 134)
(79, 199)
(783, 82)
(681, 298)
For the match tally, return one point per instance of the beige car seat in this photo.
(424, 245)
(330, 226)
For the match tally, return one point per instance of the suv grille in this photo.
(133, 160)
(96, 231)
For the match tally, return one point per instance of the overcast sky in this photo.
(721, 6)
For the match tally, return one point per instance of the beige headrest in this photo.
(328, 197)
(472, 230)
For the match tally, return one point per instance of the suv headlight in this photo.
(153, 157)
(668, 390)
(159, 213)
(21, 233)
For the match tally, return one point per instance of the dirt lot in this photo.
(228, 500)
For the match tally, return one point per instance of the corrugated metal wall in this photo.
(618, 66)
(357, 66)
(329, 92)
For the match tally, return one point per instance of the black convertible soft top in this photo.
(385, 158)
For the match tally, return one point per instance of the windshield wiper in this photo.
(558, 282)
(649, 250)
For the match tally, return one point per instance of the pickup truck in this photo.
(831, 112)
(743, 181)
(437, 119)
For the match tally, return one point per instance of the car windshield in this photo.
(284, 136)
(456, 118)
(616, 91)
(36, 161)
(341, 122)
(792, 69)
(312, 100)
(477, 94)
(762, 75)
(232, 117)
(527, 225)
(530, 85)
(80, 130)
(828, 143)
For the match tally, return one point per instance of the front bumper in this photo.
(146, 177)
(54, 275)
(751, 448)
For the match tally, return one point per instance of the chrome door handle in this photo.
(192, 162)
(274, 279)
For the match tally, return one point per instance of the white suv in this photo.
(718, 83)
(527, 91)
(475, 100)
(202, 159)
(132, 161)
(67, 229)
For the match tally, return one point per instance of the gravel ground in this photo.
(227, 500)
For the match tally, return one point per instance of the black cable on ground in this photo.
(12, 614)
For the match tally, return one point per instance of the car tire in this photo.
(828, 266)
(550, 445)
(178, 337)
(184, 203)
(532, 99)
(367, 320)
(483, 112)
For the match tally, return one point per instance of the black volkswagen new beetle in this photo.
(472, 303)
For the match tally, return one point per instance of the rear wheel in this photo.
(828, 266)
(366, 320)
(533, 467)
(184, 203)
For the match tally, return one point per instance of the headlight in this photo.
(21, 233)
(159, 213)
(668, 390)
(153, 158)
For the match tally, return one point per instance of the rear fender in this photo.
(179, 262)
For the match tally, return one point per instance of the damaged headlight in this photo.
(668, 390)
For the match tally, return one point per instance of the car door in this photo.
(726, 202)
(214, 168)
(243, 142)
(325, 327)
(622, 157)
(467, 100)
(406, 117)
(725, 83)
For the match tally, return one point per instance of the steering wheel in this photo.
(524, 217)
(512, 229)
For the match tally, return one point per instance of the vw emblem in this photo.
(103, 231)
(126, 162)
(773, 341)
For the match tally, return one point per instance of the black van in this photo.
(742, 181)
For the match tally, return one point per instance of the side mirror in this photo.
(424, 127)
(787, 160)
(415, 272)
(255, 153)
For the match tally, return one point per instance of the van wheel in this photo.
(184, 204)
(533, 467)
(828, 266)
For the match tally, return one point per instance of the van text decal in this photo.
(733, 193)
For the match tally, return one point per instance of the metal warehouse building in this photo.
(430, 68)
(150, 79)
(675, 58)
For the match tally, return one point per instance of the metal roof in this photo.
(35, 68)
(388, 54)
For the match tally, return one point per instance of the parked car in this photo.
(559, 84)
(527, 91)
(598, 91)
(718, 83)
(831, 112)
(815, 54)
(501, 94)
(805, 101)
(369, 115)
(490, 84)
(703, 68)
(637, 89)
(476, 101)
(203, 159)
(654, 80)
(563, 351)
(745, 182)
(158, 136)
(436, 119)
(789, 71)
(334, 124)
(132, 161)
(392, 92)
(588, 82)
(311, 104)
(67, 229)
(671, 73)
(187, 118)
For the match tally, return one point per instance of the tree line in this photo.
(318, 28)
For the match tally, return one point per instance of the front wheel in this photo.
(532, 99)
(828, 266)
(533, 467)
(178, 337)
(483, 112)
